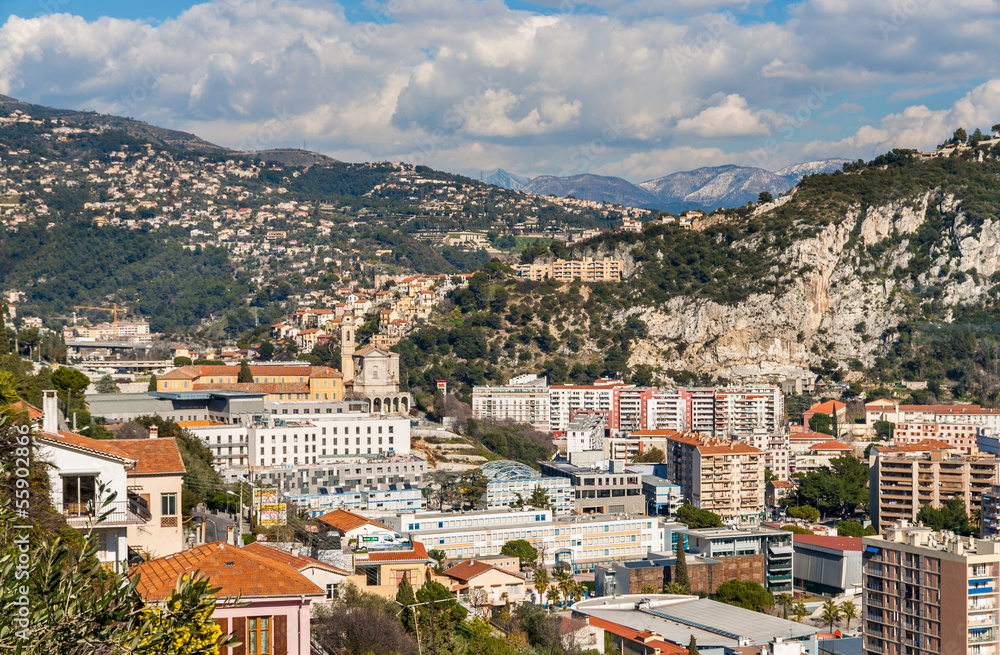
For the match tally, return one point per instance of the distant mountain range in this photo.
(705, 188)
(501, 178)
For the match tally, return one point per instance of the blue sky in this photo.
(636, 88)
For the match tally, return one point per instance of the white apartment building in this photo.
(524, 399)
(739, 410)
(566, 399)
(274, 442)
(585, 433)
(684, 410)
(777, 451)
(580, 541)
(888, 410)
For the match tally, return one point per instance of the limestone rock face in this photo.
(839, 306)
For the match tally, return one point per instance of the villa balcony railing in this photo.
(133, 511)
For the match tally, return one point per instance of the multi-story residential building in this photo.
(928, 592)
(774, 546)
(776, 448)
(585, 439)
(352, 473)
(826, 564)
(819, 456)
(587, 270)
(524, 399)
(580, 541)
(902, 479)
(741, 410)
(893, 412)
(684, 410)
(511, 484)
(630, 409)
(725, 477)
(640, 441)
(277, 383)
(963, 437)
(600, 490)
(568, 399)
(395, 497)
(989, 513)
(278, 442)
(157, 477)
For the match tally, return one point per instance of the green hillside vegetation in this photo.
(502, 325)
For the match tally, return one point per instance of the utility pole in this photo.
(239, 518)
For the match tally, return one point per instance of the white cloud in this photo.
(470, 83)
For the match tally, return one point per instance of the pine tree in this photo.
(406, 597)
(245, 375)
(693, 646)
(152, 382)
(681, 567)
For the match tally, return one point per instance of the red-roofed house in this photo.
(635, 642)
(348, 525)
(157, 477)
(80, 466)
(381, 571)
(273, 617)
(831, 408)
(279, 383)
(486, 585)
(325, 576)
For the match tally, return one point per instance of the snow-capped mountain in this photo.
(798, 171)
(504, 179)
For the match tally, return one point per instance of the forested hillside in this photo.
(885, 271)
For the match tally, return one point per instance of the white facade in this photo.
(581, 541)
(524, 399)
(385, 498)
(739, 410)
(74, 477)
(507, 493)
(564, 400)
(585, 433)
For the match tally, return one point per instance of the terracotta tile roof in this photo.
(253, 387)
(830, 445)
(103, 446)
(418, 554)
(297, 562)
(709, 446)
(235, 570)
(153, 456)
(467, 570)
(782, 484)
(370, 349)
(33, 412)
(645, 636)
(837, 543)
(923, 444)
(655, 433)
(196, 371)
(808, 435)
(881, 402)
(345, 521)
(829, 407)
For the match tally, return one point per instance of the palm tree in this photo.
(675, 588)
(564, 580)
(541, 583)
(553, 596)
(784, 600)
(848, 611)
(799, 610)
(831, 613)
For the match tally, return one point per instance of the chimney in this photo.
(154, 432)
(295, 551)
(50, 409)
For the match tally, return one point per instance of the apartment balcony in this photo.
(982, 635)
(134, 511)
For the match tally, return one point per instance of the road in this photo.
(216, 526)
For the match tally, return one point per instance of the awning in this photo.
(781, 550)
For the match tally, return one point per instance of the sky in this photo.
(631, 88)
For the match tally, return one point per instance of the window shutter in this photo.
(281, 635)
(240, 630)
(224, 624)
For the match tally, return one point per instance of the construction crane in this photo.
(113, 308)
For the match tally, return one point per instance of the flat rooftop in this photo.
(676, 618)
(733, 533)
(658, 481)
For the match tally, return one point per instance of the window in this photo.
(168, 504)
(78, 492)
(259, 635)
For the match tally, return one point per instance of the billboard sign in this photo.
(272, 514)
(265, 496)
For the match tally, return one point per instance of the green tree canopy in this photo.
(821, 423)
(539, 498)
(652, 456)
(951, 516)
(746, 594)
(106, 384)
(839, 489)
(521, 549)
(854, 529)
(70, 379)
(245, 376)
(694, 517)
